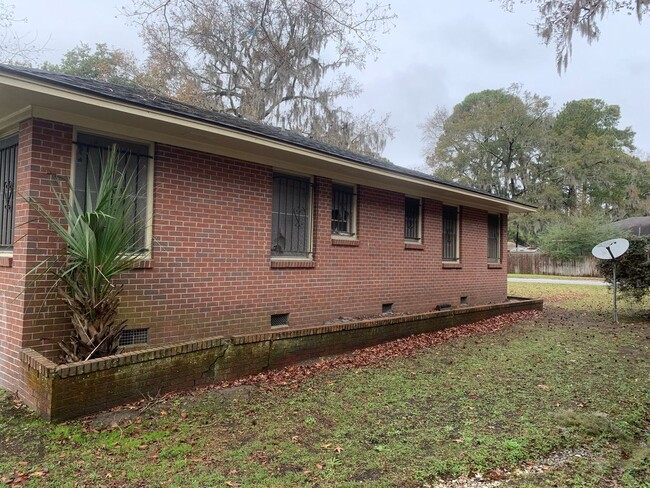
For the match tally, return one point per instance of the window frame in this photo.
(147, 253)
(456, 258)
(309, 254)
(352, 224)
(418, 239)
(499, 220)
(8, 251)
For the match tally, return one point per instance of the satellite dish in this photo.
(610, 249)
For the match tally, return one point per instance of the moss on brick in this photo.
(69, 391)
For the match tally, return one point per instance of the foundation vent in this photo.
(387, 308)
(131, 337)
(280, 320)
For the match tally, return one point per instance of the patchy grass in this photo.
(554, 277)
(593, 299)
(561, 400)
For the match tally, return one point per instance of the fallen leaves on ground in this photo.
(292, 376)
(20, 477)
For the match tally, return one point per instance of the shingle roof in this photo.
(150, 100)
(638, 226)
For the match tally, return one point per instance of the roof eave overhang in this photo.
(25, 97)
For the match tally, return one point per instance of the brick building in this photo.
(248, 228)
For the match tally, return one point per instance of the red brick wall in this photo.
(211, 271)
(31, 319)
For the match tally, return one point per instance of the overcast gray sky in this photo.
(438, 52)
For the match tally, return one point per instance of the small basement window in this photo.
(131, 337)
(280, 320)
(387, 308)
(464, 300)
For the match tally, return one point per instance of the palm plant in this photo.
(99, 246)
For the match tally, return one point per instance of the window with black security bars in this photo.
(412, 219)
(92, 154)
(449, 233)
(343, 210)
(8, 158)
(494, 238)
(291, 216)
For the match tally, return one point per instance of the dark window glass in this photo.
(449, 233)
(8, 158)
(494, 238)
(92, 152)
(412, 219)
(291, 224)
(342, 210)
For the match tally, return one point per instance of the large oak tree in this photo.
(577, 162)
(283, 62)
(492, 140)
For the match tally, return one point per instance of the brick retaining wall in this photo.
(61, 392)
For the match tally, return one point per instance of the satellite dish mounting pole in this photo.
(614, 278)
(613, 281)
(611, 249)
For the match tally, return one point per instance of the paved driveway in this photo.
(557, 281)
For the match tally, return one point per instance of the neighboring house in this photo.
(637, 226)
(248, 228)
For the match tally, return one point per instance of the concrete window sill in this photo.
(344, 242)
(292, 264)
(413, 246)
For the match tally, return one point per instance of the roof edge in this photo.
(402, 173)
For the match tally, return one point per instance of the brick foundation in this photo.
(63, 392)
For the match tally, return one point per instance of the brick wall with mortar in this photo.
(66, 391)
(211, 272)
(29, 318)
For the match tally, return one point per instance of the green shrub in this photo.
(632, 269)
(575, 237)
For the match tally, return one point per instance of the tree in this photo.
(14, 48)
(577, 162)
(559, 19)
(592, 160)
(98, 247)
(632, 269)
(493, 140)
(282, 62)
(99, 63)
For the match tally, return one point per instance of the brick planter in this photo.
(62, 392)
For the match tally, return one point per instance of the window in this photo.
(412, 219)
(92, 152)
(343, 210)
(8, 157)
(494, 238)
(449, 233)
(291, 224)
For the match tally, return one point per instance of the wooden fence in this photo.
(537, 263)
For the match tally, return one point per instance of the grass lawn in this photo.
(555, 277)
(561, 400)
